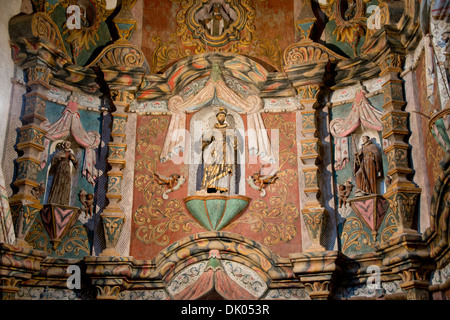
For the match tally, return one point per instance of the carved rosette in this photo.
(108, 292)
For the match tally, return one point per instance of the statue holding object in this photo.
(367, 167)
(60, 164)
(219, 148)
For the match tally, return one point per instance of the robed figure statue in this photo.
(60, 190)
(219, 150)
(367, 167)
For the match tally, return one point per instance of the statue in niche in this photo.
(219, 153)
(60, 165)
(367, 167)
(218, 20)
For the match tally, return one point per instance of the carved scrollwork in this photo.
(120, 55)
(44, 28)
(309, 52)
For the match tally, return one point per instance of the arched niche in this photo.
(216, 92)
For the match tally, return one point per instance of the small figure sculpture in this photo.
(388, 181)
(175, 181)
(60, 190)
(87, 199)
(38, 191)
(258, 182)
(344, 191)
(218, 21)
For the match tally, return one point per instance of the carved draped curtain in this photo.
(258, 140)
(361, 114)
(70, 123)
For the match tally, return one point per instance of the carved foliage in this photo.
(44, 28)
(302, 53)
(120, 55)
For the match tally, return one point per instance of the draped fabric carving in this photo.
(70, 123)
(216, 89)
(362, 114)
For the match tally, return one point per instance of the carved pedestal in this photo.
(108, 275)
(371, 210)
(57, 220)
(17, 264)
(317, 271)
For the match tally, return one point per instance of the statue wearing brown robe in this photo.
(60, 190)
(367, 167)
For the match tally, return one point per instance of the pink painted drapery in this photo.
(70, 123)
(362, 114)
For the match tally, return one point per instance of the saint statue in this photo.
(367, 167)
(219, 150)
(60, 190)
(217, 22)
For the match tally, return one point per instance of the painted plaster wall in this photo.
(9, 9)
(273, 221)
(162, 36)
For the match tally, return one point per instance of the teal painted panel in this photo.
(198, 210)
(233, 208)
(215, 209)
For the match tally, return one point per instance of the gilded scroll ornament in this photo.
(157, 217)
(214, 22)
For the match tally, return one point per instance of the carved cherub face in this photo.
(175, 176)
(255, 176)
